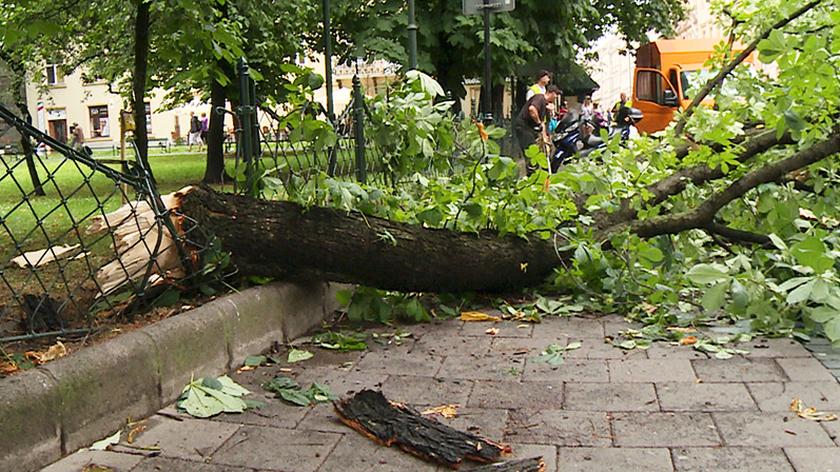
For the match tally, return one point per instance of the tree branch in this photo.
(675, 183)
(704, 214)
(718, 79)
(737, 235)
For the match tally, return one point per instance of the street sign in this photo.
(476, 7)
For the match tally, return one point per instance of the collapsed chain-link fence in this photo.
(80, 238)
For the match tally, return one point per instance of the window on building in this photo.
(100, 123)
(148, 107)
(53, 74)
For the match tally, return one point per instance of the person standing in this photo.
(543, 79)
(530, 121)
(195, 132)
(205, 127)
(587, 112)
(78, 137)
(619, 110)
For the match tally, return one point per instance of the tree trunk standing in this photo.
(498, 101)
(286, 240)
(215, 173)
(25, 142)
(141, 64)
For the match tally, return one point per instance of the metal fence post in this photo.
(246, 108)
(412, 37)
(359, 128)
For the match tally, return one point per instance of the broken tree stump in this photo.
(388, 423)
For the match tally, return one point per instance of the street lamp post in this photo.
(328, 73)
(412, 37)
(486, 94)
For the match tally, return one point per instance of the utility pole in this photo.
(486, 94)
(412, 37)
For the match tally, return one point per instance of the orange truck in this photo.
(665, 70)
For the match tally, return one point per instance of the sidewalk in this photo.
(604, 409)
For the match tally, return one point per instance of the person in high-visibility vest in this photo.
(619, 110)
(543, 79)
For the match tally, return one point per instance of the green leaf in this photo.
(295, 397)
(573, 345)
(823, 314)
(705, 274)
(832, 329)
(715, 296)
(344, 297)
(802, 293)
(298, 355)
(280, 382)
(813, 253)
(255, 361)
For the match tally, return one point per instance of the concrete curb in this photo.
(48, 412)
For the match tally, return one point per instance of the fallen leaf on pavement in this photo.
(446, 411)
(136, 429)
(478, 316)
(208, 396)
(492, 331)
(688, 340)
(298, 355)
(810, 413)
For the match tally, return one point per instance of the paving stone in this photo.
(729, 459)
(452, 345)
(559, 427)
(399, 363)
(594, 348)
(833, 429)
(165, 464)
(526, 347)
(278, 449)
(507, 329)
(603, 459)
(614, 325)
(770, 430)
(572, 370)
(187, 439)
(664, 430)
(322, 417)
(830, 361)
(77, 461)
(651, 370)
(808, 459)
(805, 370)
(573, 327)
(693, 396)
(777, 396)
(426, 390)
(356, 452)
(611, 397)
(662, 350)
(481, 367)
(780, 347)
(738, 370)
(515, 395)
(487, 422)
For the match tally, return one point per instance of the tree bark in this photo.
(141, 65)
(19, 86)
(286, 240)
(214, 173)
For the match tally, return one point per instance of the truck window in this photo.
(672, 77)
(649, 86)
(684, 76)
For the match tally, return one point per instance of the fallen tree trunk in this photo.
(287, 240)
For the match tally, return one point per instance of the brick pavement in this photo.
(668, 408)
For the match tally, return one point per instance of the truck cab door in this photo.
(656, 98)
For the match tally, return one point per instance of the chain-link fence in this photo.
(81, 239)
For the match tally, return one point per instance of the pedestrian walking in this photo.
(543, 79)
(587, 111)
(195, 132)
(621, 108)
(530, 122)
